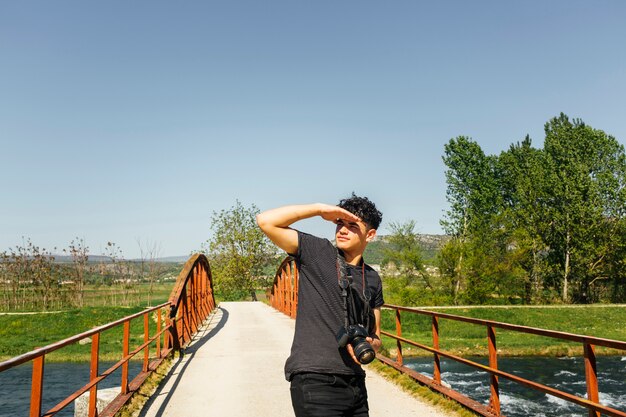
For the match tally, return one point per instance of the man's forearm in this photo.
(287, 215)
(275, 222)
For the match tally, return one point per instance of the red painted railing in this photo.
(284, 297)
(588, 343)
(190, 303)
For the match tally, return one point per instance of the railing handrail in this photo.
(190, 302)
(573, 337)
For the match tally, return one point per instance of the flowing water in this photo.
(60, 381)
(564, 374)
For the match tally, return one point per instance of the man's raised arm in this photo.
(275, 223)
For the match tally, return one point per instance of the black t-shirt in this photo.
(320, 309)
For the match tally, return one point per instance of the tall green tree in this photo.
(473, 196)
(521, 172)
(238, 252)
(586, 206)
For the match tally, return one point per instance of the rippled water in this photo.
(565, 374)
(60, 381)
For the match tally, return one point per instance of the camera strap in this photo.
(344, 285)
(344, 279)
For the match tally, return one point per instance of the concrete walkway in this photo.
(234, 368)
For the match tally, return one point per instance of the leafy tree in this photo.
(521, 174)
(587, 206)
(238, 252)
(533, 223)
(473, 196)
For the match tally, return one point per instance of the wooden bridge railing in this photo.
(283, 296)
(177, 321)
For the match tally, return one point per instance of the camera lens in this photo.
(363, 350)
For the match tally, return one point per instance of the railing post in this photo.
(93, 374)
(283, 292)
(158, 339)
(296, 284)
(399, 334)
(203, 292)
(591, 375)
(167, 335)
(125, 349)
(194, 298)
(494, 400)
(36, 388)
(289, 289)
(437, 362)
(146, 337)
(184, 316)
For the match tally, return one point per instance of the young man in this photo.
(327, 379)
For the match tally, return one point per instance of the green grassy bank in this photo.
(22, 333)
(468, 339)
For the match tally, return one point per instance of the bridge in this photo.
(233, 356)
(234, 367)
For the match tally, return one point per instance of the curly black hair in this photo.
(364, 208)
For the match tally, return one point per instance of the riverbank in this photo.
(464, 339)
(22, 333)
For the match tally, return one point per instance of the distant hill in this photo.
(431, 244)
(107, 259)
(173, 259)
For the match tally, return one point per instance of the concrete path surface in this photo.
(234, 367)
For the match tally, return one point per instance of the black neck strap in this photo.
(344, 284)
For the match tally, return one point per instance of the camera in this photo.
(355, 335)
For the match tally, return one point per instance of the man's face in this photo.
(353, 236)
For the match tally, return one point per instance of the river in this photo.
(60, 381)
(566, 374)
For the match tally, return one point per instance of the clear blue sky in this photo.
(136, 120)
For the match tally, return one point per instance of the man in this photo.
(327, 379)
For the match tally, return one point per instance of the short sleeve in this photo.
(378, 298)
(310, 247)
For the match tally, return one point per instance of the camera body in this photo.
(355, 335)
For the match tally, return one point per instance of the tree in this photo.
(473, 196)
(150, 266)
(522, 173)
(118, 271)
(30, 270)
(406, 279)
(551, 219)
(238, 251)
(587, 208)
(79, 252)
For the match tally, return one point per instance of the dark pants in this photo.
(328, 395)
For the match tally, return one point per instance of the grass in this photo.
(22, 333)
(133, 407)
(421, 392)
(466, 339)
